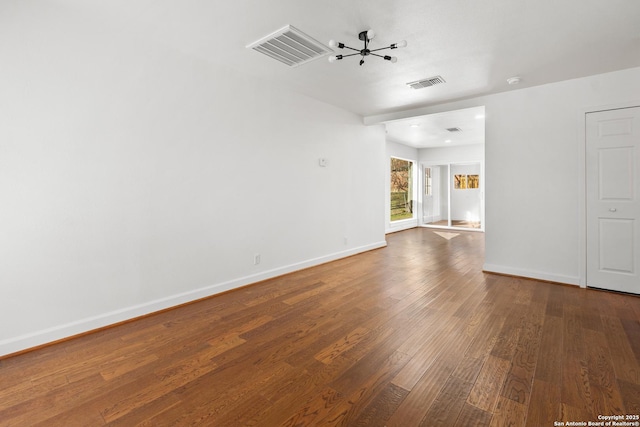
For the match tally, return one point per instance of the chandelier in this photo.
(366, 37)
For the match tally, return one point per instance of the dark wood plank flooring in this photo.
(413, 334)
(457, 223)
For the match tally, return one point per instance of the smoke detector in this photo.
(290, 46)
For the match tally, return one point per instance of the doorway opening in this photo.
(448, 148)
(452, 195)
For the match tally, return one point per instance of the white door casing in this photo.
(613, 199)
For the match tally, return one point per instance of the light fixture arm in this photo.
(366, 37)
(381, 48)
(347, 47)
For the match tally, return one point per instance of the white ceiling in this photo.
(431, 130)
(474, 45)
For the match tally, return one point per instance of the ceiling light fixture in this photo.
(513, 80)
(366, 37)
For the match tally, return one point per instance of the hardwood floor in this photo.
(409, 335)
(458, 223)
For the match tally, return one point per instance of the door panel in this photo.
(616, 173)
(613, 202)
(616, 245)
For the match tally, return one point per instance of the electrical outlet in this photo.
(256, 259)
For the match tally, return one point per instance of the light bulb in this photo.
(394, 59)
(333, 58)
(370, 34)
(402, 43)
(333, 43)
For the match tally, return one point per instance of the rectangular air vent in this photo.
(454, 129)
(419, 84)
(290, 46)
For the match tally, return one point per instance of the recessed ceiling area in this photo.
(433, 130)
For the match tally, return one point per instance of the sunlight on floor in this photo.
(446, 235)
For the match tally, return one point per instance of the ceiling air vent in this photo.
(290, 46)
(431, 81)
(454, 129)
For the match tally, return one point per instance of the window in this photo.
(473, 181)
(464, 182)
(401, 189)
(460, 182)
(427, 182)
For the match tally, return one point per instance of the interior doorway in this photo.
(449, 150)
(452, 195)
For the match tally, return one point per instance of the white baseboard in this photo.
(531, 274)
(59, 332)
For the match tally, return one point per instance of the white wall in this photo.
(534, 171)
(405, 152)
(535, 176)
(465, 203)
(134, 177)
(455, 154)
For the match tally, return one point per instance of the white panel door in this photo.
(613, 199)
